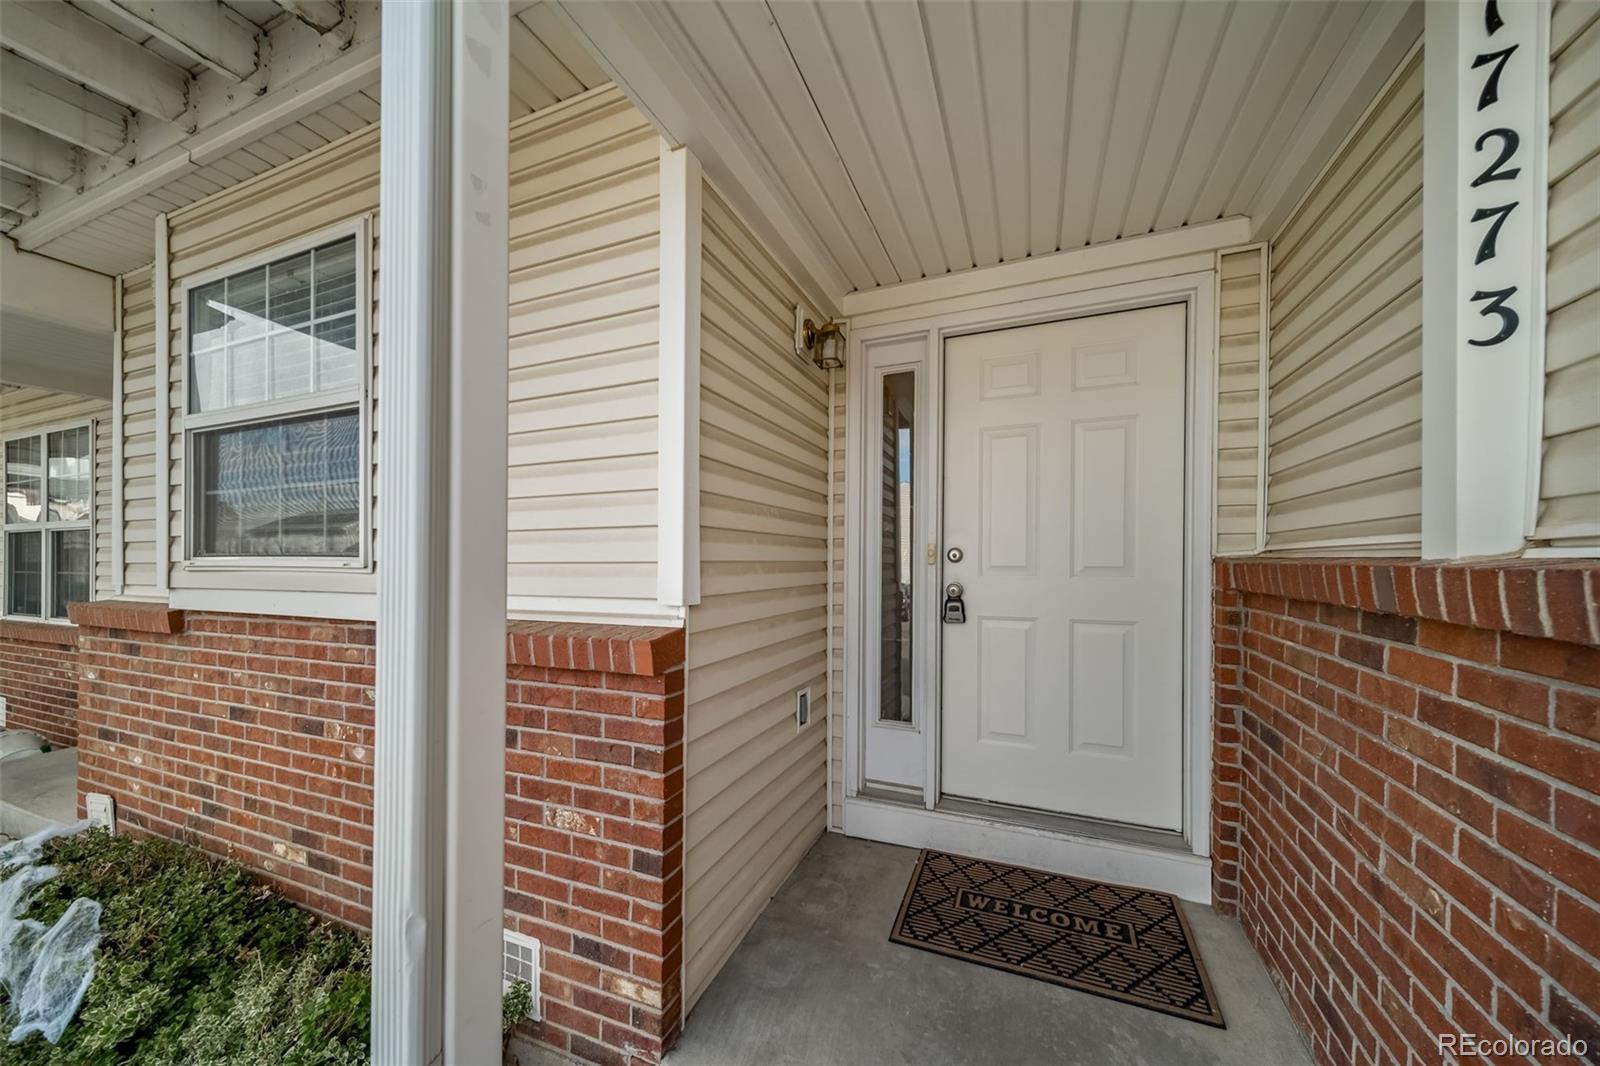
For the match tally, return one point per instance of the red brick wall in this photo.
(251, 737)
(1406, 820)
(594, 832)
(39, 679)
(248, 736)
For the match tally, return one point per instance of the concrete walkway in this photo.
(38, 791)
(817, 982)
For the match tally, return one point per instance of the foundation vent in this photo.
(520, 962)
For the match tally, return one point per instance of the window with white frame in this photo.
(276, 413)
(49, 519)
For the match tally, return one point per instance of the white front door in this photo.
(1063, 492)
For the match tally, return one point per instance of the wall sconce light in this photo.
(822, 343)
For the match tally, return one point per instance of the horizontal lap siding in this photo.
(1239, 399)
(1569, 486)
(755, 787)
(585, 255)
(330, 186)
(138, 472)
(28, 408)
(1345, 380)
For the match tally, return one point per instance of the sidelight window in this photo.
(895, 552)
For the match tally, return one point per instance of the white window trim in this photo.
(44, 526)
(359, 228)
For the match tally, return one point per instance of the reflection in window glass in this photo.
(24, 573)
(70, 475)
(286, 488)
(24, 484)
(70, 563)
(898, 431)
(275, 332)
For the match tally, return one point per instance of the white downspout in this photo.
(161, 283)
(832, 400)
(118, 563)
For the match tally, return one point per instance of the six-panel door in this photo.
(1063, 486)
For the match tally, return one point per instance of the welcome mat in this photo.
(1123, 943)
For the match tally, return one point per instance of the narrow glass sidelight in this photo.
(894, 546)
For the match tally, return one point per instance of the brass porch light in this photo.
(823, 343)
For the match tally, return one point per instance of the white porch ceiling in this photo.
(911, 140)
(173, 100)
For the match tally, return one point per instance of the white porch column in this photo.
(1484, 145)
(440, 719)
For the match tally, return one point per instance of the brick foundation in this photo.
(594, 832)
(251, 737)
(1405, 816)
(247, 736)
(39, 679)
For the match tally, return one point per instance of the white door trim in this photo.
(908, 824)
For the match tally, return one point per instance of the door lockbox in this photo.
(955, 609)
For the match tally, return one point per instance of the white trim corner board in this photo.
(917, 336)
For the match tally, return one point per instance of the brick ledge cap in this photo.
(643, 651)
(1556, 599)
(136, 616)
(38, 632)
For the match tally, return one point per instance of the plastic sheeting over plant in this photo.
(43, 971)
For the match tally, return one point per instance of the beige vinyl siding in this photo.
(755, 788)
(585, 257)
(27, 409)
(1239, 338)
(138, 472)
(1569, 483)
(333, 185)
(1345, 383)
(583, 278)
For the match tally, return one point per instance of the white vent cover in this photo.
(520, 962)
(2, 712)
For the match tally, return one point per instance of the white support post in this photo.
(678, 386)
(440, 714)
(1484, 146)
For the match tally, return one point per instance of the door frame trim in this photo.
(1189, 280)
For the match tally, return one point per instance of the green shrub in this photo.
(198, 963)
(514, 1006)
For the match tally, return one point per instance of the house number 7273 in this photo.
(1494, 301)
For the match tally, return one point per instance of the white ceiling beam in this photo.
(19, 194)
(46, 101)
(38, 155)
(320, 15)
(205, 30)
(306, 72)
(660, 76)
(83, 49)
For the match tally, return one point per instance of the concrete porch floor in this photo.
(818, 982)
(38, 791)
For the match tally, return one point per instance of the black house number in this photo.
(1508, 146)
